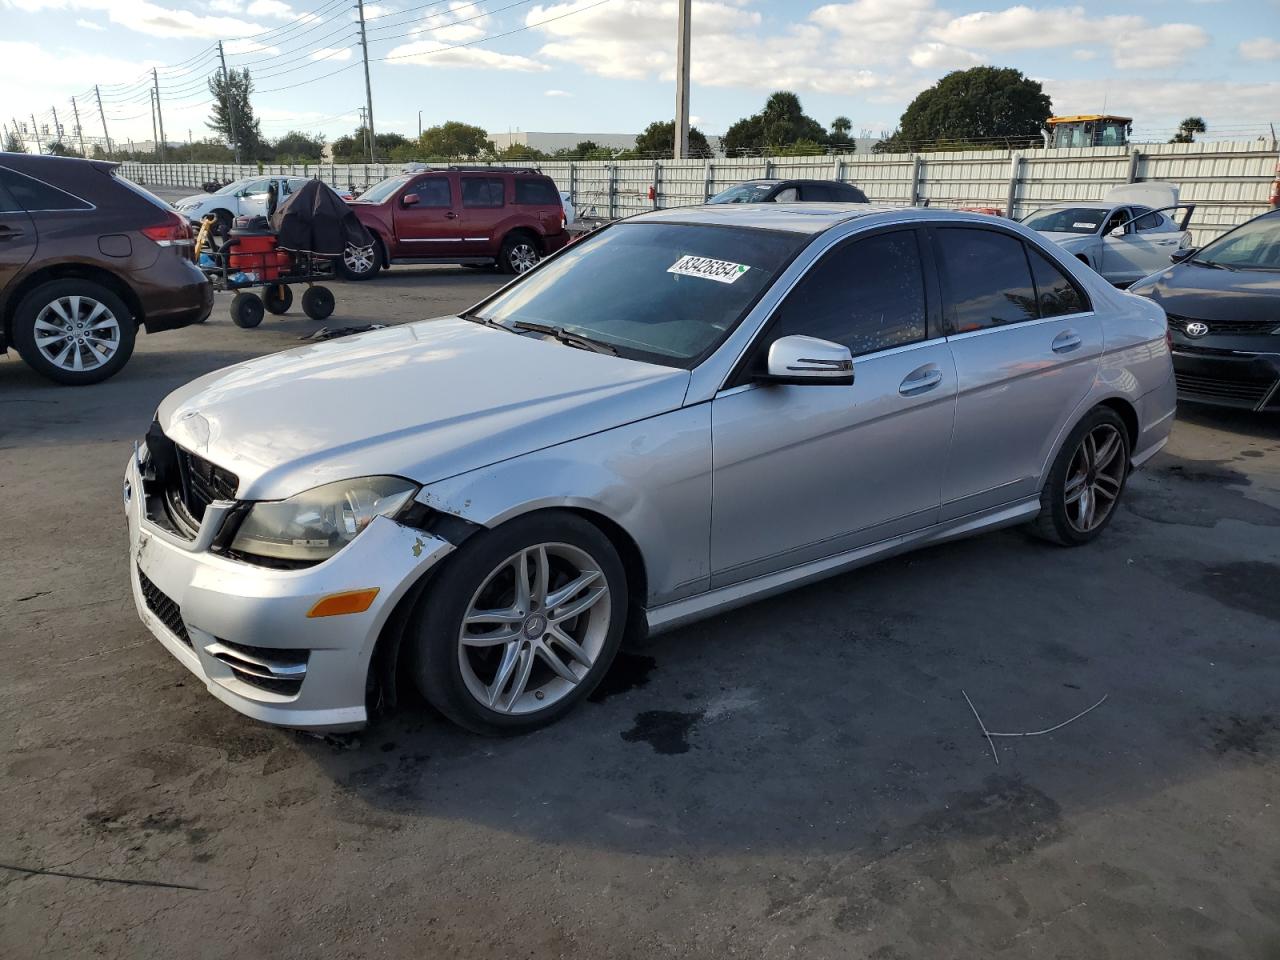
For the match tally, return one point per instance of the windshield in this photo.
(233, 187)
(1066, 220)
(1252, 246)
(743, 193)
(664, 293)
(380, 191)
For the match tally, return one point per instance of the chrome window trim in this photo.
(1018, 324)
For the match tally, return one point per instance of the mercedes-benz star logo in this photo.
(1197, 328)
(535, 626)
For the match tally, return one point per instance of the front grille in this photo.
(187, 481)
(273, 669)
(164, 607)
(1242, 392)
(1226, 326)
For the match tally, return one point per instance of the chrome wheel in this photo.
(358, 259)
(77, 333)
(534, 629)
(1094, 478)
(523, 256)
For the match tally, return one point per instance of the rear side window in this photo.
(1150, 221)
(482, 191)
(537, 191)
(816, 193)
(1055, 292)
(433, 192)
(36, 196)
(985, 277)
(867, 295)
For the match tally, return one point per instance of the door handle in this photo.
(920, 380)
(1065, 342)
(451, 215)
(8, 233)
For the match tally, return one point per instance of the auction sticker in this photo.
(721, 271)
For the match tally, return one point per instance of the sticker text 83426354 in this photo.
(721, 271)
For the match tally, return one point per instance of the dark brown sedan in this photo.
(86, 258)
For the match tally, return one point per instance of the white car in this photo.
(1125, 236)
(243, 198)
(570, 211)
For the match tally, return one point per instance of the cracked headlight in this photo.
(317, 523)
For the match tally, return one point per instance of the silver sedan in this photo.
(681, 413)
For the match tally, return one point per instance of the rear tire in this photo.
(74, 332)
(247, 310)
(318, 302)
(1085, 482)
(277, 298)
(476, 589)
(520, 253)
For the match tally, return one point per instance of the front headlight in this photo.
(314, 525)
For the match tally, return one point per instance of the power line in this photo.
(497, 36)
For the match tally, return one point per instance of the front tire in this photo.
(521, 624)
(359, 263)
(247, 310)
(1086, 480)
(74, 332)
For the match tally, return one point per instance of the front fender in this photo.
(652, 478)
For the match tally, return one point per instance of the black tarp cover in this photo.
(316, 219)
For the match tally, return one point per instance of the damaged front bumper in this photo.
(244, 630)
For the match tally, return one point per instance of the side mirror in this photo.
(409, 200)
(1186, 253)
(799, 359)
(1117, 232)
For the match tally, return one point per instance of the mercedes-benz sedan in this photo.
(681, 413)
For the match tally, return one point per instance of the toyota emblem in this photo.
(1197, 328)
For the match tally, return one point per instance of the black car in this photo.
(790, 191)
(1223, 304)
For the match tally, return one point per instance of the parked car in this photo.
(1126, 235)
(86, 258)
(681, 413)
(471, 215)
(1223, 304)
(243, 198)
(790, 191)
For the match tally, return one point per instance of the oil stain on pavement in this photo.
(667, 731)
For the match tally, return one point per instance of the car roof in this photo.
(810, 218)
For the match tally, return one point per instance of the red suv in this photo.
(469, 215)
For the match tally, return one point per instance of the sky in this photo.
(607, 66)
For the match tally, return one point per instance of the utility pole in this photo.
(79, 129)
(106, 136)
(364, 125)
(155, 140)
(368, 89)
(231, 102)
(35, 128)
(682, 80)
(57, 127)
(159, 115)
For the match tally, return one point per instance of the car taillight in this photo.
(173, 231)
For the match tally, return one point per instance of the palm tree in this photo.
(1188, 129)
(840, 128)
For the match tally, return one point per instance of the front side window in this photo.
(743, 193)
(815, 193)
(482, 191)
(867, 295)
(666, 293)
(1081, 220)
(256, 188)
(383, 189)
(37, 196)
(787, 195)
(1147, 219)
(433, 192)
(985, 279)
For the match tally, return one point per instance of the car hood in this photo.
(193, 199)
(1209, 293)
(1066, 239)
(426, 401)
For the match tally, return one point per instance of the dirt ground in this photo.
(799, 778)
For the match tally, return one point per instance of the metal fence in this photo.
(1228, 181)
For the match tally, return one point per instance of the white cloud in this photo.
(240, 47)
(1157, 105)
(556, 93)
(878, 31)
(270, 8)
(89, 24)
(432, 53)
(1168, 45)
(940, 57)
(336, 54)
(226, 6)
(1263, 48)
(462, 22)
(1084, 53)
(150, 18)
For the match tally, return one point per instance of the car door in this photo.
(1026, 345)
(253, 198)
(1148, 240)
(809, 471)
(17, 236)
(425, 216)
(484, 206)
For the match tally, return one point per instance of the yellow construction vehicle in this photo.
(1088, 130)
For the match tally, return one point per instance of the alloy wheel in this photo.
(534, 629)
(358, 259)
(1094, 478)
(77, 333)
(523, 257)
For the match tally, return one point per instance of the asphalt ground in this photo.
(799, 778)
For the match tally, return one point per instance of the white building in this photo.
(551, 142)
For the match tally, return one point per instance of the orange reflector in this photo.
(337, 604)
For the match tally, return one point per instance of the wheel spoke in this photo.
(495, 616)
(558, 666)
(510, 659)
(97, 311)
(43, 324)
(56, 307)
(571, 646)
(1076, 486)
(77, 362)
(523, 668)
(581, 605)
(52, 338)
(61, 358)
(496, 639)
(572, 589)
(1106, 485)
(1107, 452)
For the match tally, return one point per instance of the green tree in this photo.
(780, 123)
(59, 149)
(801, 148)
(659, 140)
(232, 96)
(983, 105)
(13, 145)
(454, 140)
(1188, 129)
(841, 128)
(298, 147)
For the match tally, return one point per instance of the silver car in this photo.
(683, 412)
